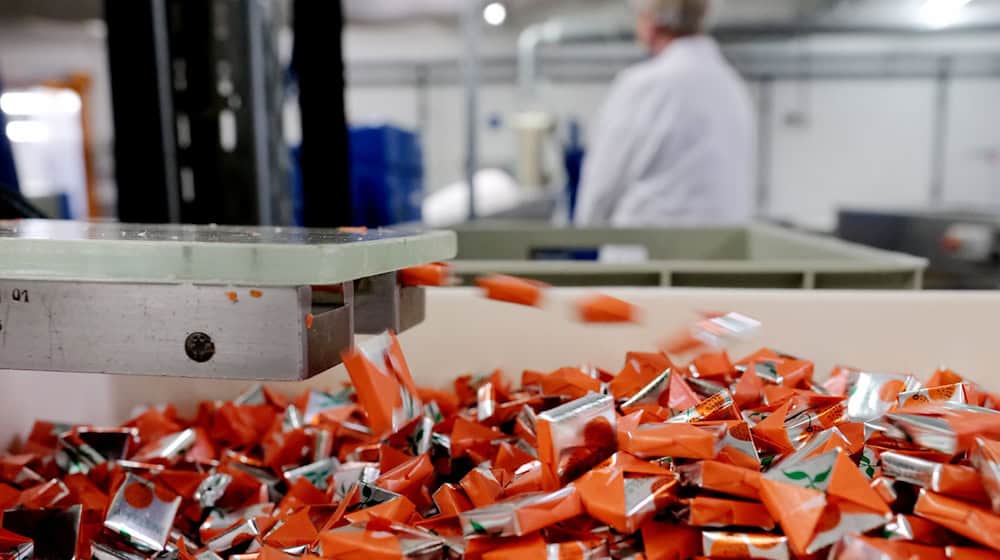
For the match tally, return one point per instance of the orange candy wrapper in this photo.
(652, 441)
(745, 545)
(384, 384)
(969, 520)
(704, 511)
(510, 289)
(601, 308)
(432, 274)
(753, 457)
(625, 491)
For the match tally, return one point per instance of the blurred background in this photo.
(231, 111)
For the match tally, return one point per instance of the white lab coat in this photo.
(673, 145)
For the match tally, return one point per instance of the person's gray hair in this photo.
(684, 17)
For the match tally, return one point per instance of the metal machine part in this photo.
(201, 301)
(963, 247)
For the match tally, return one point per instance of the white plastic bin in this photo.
(890, 331)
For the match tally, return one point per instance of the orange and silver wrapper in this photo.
(721, 477)
(874, 394)
(947, 427)
(856, 547)
(985, 457)
(451, 500)
(717, 332)
(820, 500)
(522, 515)
(969, 520)
(650, 394)
(640, 369)
(713, 365)
(410, 479)
(682, 441)
(142, 513)
(384, 384)
(472, 439)
(625, 491)
(951, 480)
(577, 550)
(954, 393)
(738, 447)
(481, 486)
(718, 544)
(575, 437)
(905, 527)
(719, 406)
(705, 511)
(16, 547)
(885, 488)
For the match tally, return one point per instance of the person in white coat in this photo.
(675, 141)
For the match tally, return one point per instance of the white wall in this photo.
(862, 142)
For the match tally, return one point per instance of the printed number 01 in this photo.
(19, 295)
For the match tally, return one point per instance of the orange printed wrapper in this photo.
(954, 393)
(473, 439)
(719, 406)
(985, 457)
(784, 431)
(400, 510)
(575, 437)
(705, 511)
(685, 441)
(523, 514)
(510, 289)
(384, 384)
(625, 491)
(947, 427)
(717, 544)
(640, 370)
(874, 394)
(721, 477)
(951, 480)
(600, 308)
(738, 447)
(820, 500)
(966, 519)
(856, 547)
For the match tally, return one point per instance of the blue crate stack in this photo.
(387, 175)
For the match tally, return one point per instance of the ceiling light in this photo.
(24, 132)
(40, 101)
(495, 13)
(941, 13)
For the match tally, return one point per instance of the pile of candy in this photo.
(663, 460)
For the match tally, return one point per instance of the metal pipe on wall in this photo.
(471, 81)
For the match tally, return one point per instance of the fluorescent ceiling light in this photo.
(941, 13)
(40, 101)
(495, 13)
(25, 132)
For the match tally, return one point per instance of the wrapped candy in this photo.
(738, 458)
